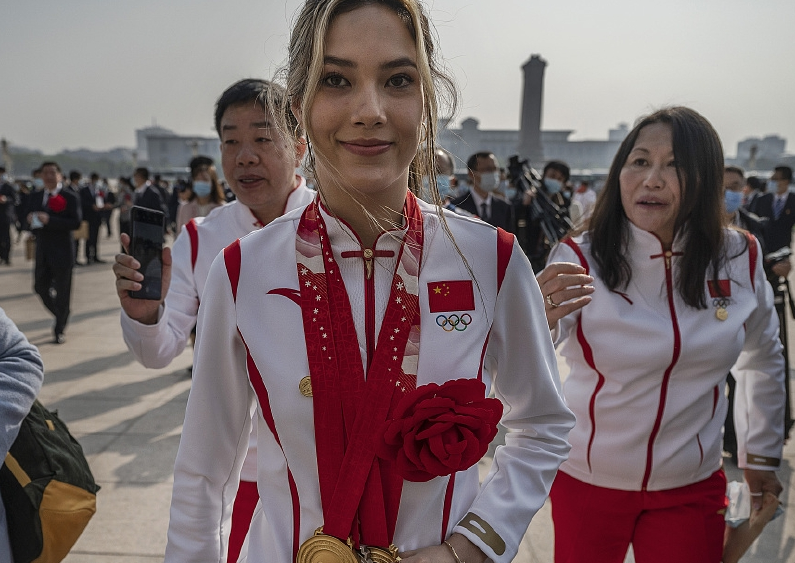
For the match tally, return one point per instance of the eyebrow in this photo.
(396, 63)
(257, 125)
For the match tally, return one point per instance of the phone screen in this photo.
(146, 246)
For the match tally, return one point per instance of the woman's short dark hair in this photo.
(699, 165)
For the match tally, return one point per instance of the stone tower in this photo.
(530, 131)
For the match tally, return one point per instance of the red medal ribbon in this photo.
(349, 410)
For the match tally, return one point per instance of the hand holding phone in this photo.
(146, 246)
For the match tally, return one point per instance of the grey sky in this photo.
(87, 73)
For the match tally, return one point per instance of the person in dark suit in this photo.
(8, 202)
(92, 203)
(778, 204)
(146, 194)
(55, 213)
(555, 177)
(484, 177)
(754, 187)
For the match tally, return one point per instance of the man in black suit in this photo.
(146, 194)
(778, 204)
(484, 177)
(8, 202)
(92, 203)
(54, 214)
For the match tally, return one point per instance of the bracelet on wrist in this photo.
(452, 550)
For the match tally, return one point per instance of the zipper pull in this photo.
(668, 255)
(368, 262)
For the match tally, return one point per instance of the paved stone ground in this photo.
(129, 420)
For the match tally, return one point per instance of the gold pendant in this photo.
(322, 548)
(722, 314)
(305, 386)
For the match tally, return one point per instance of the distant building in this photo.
(531, 142)
(141, 140)
(769, 147)
(164, 151)
(579, 155)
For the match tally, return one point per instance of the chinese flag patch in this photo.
(444, 296)
(721, 289)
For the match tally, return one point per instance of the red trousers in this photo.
(597, 525)
(242, 511)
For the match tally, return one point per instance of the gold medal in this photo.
(722, 314)
(322, 548)
(305, 386)
(381, 555)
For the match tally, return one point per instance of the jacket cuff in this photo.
(754, 461)
(483, 535)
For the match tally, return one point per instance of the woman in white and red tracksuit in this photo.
(663, 303)
(368, 329)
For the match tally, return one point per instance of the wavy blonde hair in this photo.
(304, 72)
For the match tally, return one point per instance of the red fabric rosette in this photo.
(56, 203)
(439, 429)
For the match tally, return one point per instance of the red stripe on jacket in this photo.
(232, 261)
(193, 234)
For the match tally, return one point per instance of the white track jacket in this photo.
(648, 371)
(260, 334)
(155, 346)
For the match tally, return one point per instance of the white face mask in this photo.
(489, 181)
(772, 185)
(38, 183)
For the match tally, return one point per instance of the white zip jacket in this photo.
(648, 371)
(259, 334)
(155, 346)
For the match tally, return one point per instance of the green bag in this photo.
(48, 490)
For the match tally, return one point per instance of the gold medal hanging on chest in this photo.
(722, 314)
(322, 548)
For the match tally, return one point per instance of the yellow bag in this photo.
(48, 490)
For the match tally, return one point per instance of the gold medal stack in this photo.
(322, 548)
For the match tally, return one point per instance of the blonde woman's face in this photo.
(365, 121)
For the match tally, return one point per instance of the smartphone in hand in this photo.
(146, 246)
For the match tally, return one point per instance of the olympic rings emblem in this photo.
(721, 302)
(449, 323)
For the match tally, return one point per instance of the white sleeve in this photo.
(155, 346)
(760, 395)
(564, 253)
(528, 384)
(215, 434)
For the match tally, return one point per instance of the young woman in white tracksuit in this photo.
(368, 329)
(651, 306)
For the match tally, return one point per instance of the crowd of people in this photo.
(358, 343)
